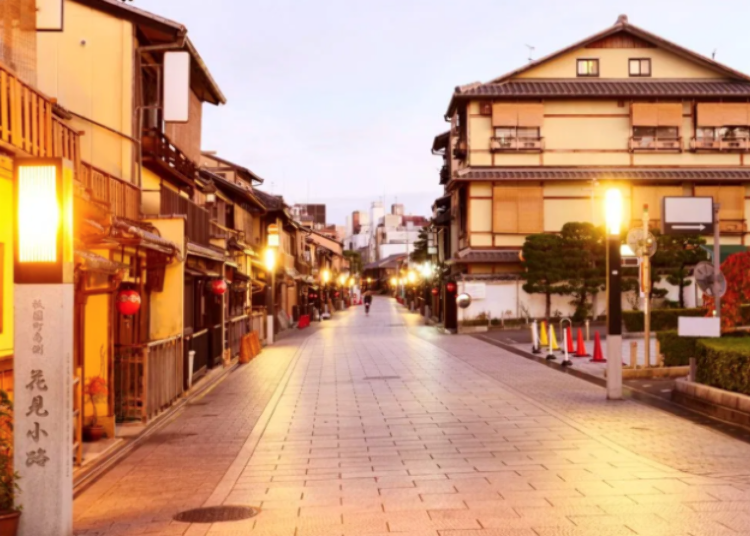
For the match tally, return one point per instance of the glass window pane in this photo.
(635, 67)
(640, 132)
(582, 67)
(667, 132)
(528, 132)
(645, 67)
(505, 132)
(706, 132)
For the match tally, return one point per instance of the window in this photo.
(588, 67)
(706, 133)
(640, 67)
(517, 132)
(734, 133)
(660, 133)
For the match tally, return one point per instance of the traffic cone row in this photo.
(543, 339)
(598, 354)
(552, 343)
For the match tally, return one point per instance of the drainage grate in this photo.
(368, 378)
(217, 514)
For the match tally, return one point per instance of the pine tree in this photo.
(674, 257)
(584, 255)
(544, 267)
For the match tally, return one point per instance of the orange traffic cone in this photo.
(569, 340)
(581, 350)
(598, 355)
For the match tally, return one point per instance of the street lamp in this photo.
(613, 218)
(43, 301)
(271, 268)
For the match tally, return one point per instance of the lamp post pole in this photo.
(614, 296)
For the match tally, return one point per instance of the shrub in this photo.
(677, 350)
(661, 319)
(725, 363)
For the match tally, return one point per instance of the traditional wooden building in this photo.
(538, 147)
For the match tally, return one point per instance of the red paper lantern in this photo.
(128, 302)
(434, 292)
(337, 294)
(218, 286)
(450, 287)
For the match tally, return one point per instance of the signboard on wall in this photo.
(477, 291)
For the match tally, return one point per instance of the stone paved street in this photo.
(376, 425)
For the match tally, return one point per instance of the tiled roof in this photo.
(496, 256)
(608, 88)
(270, 201)
(639, 174)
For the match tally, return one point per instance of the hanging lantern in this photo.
(434, 291)
(218, 286)
(128, 302)
(450, 287)
(337, 294)
(520, 255)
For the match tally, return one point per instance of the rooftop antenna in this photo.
(713, 54)
(531, 52)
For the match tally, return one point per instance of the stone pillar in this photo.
(43, 407)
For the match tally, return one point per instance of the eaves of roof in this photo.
(701, 175)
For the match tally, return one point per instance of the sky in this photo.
(337, 101)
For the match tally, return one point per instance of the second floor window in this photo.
(525, 133)
(724, 133)
(587, 67)
(656, 133)
(639, 67)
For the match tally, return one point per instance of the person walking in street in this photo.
(368, 302)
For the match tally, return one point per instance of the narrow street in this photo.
(377, 425)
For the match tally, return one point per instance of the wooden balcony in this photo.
(514, 145)
(651, 144)
(720, 145)
(28, 125)
(120, 197)
(198, 218)
(220, 232)
(302, 266)
(444, 174)
(161, 155)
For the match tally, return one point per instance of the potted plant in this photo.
(9, 511)
(97, 391)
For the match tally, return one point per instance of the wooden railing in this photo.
(160, 149)
(148, 378)
(719, 144)
(500, 145)
(28, 124)
(122, 198)
(258, 320)
(649, 143)
(198, 218)
(236, 328)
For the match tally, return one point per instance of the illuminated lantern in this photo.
(218, 286)
(450, 287)
(434, 292)
(337, 294)
(520, 255)
(128, 302)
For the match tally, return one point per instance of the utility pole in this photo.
(646, 289)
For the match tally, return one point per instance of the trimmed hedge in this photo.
(661, 319)
(725, 363)
(677, 350)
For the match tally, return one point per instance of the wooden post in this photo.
(693, 369)
(633, 355)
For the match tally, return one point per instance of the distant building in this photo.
(377, 235)
(310, 212)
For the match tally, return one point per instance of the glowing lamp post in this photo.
(43, 334)
(613, 217)
(271, 269)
